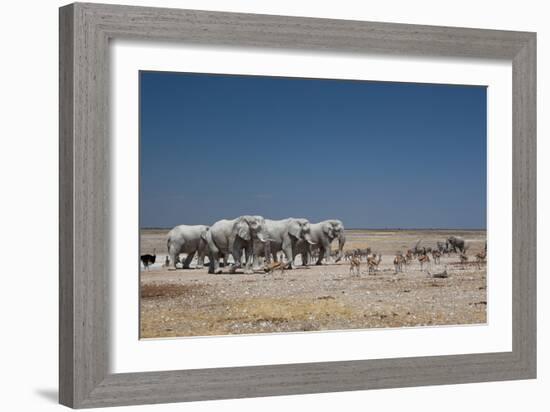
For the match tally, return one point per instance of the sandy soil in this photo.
(194, 303)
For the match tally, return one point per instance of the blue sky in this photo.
(373, 154)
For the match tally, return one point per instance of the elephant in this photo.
(187, 239)
(322, 234)
(283, 236)
(455, 242)
(442, 247)
(231, 237)
(418, 250)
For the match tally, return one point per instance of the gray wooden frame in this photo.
(85, 31)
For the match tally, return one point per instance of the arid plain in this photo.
(313, 298)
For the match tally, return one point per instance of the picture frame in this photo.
(85, 33)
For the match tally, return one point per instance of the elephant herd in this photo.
(254, 238)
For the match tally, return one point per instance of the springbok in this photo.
(355, 265)
(480, 258)
(271, 267)
(398, 262)
(408, 257)
(463, 258)
(373, 262)
(423, 259)
(436, 255)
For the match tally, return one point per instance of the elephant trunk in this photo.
(341, 243)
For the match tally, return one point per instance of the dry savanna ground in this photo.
(194, 303)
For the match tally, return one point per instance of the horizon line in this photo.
(353, 228)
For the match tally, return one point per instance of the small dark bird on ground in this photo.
(148, 260)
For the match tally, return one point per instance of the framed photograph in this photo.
(257, 205)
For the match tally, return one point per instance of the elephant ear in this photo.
(295, 229)
(242, 229)
(328, 230)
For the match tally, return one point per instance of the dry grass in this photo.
(254, 315)
(200, 310)
(289, 310)
(169, 290)
(263, 315)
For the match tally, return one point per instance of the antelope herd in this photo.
(421, 254)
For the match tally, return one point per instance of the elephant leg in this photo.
(321, 255)
(294, 254)
(324, 250)
(268, 253)
(257, 253)
(173, 252)
(213, 264)
(287, 250)
(188, 260)
(200, 260)
(201, 254)
(306, 257)
(328, 254)
(214, 257)
(237, 257)
(256, 262)
(248, 256)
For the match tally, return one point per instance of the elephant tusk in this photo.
(310, 242)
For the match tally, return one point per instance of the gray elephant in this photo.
(455, 243)
(232, 237)
(442, 247)
(283, 236)
(187, 239)
(322, 234)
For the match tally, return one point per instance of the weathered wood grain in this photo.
(85, 31)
